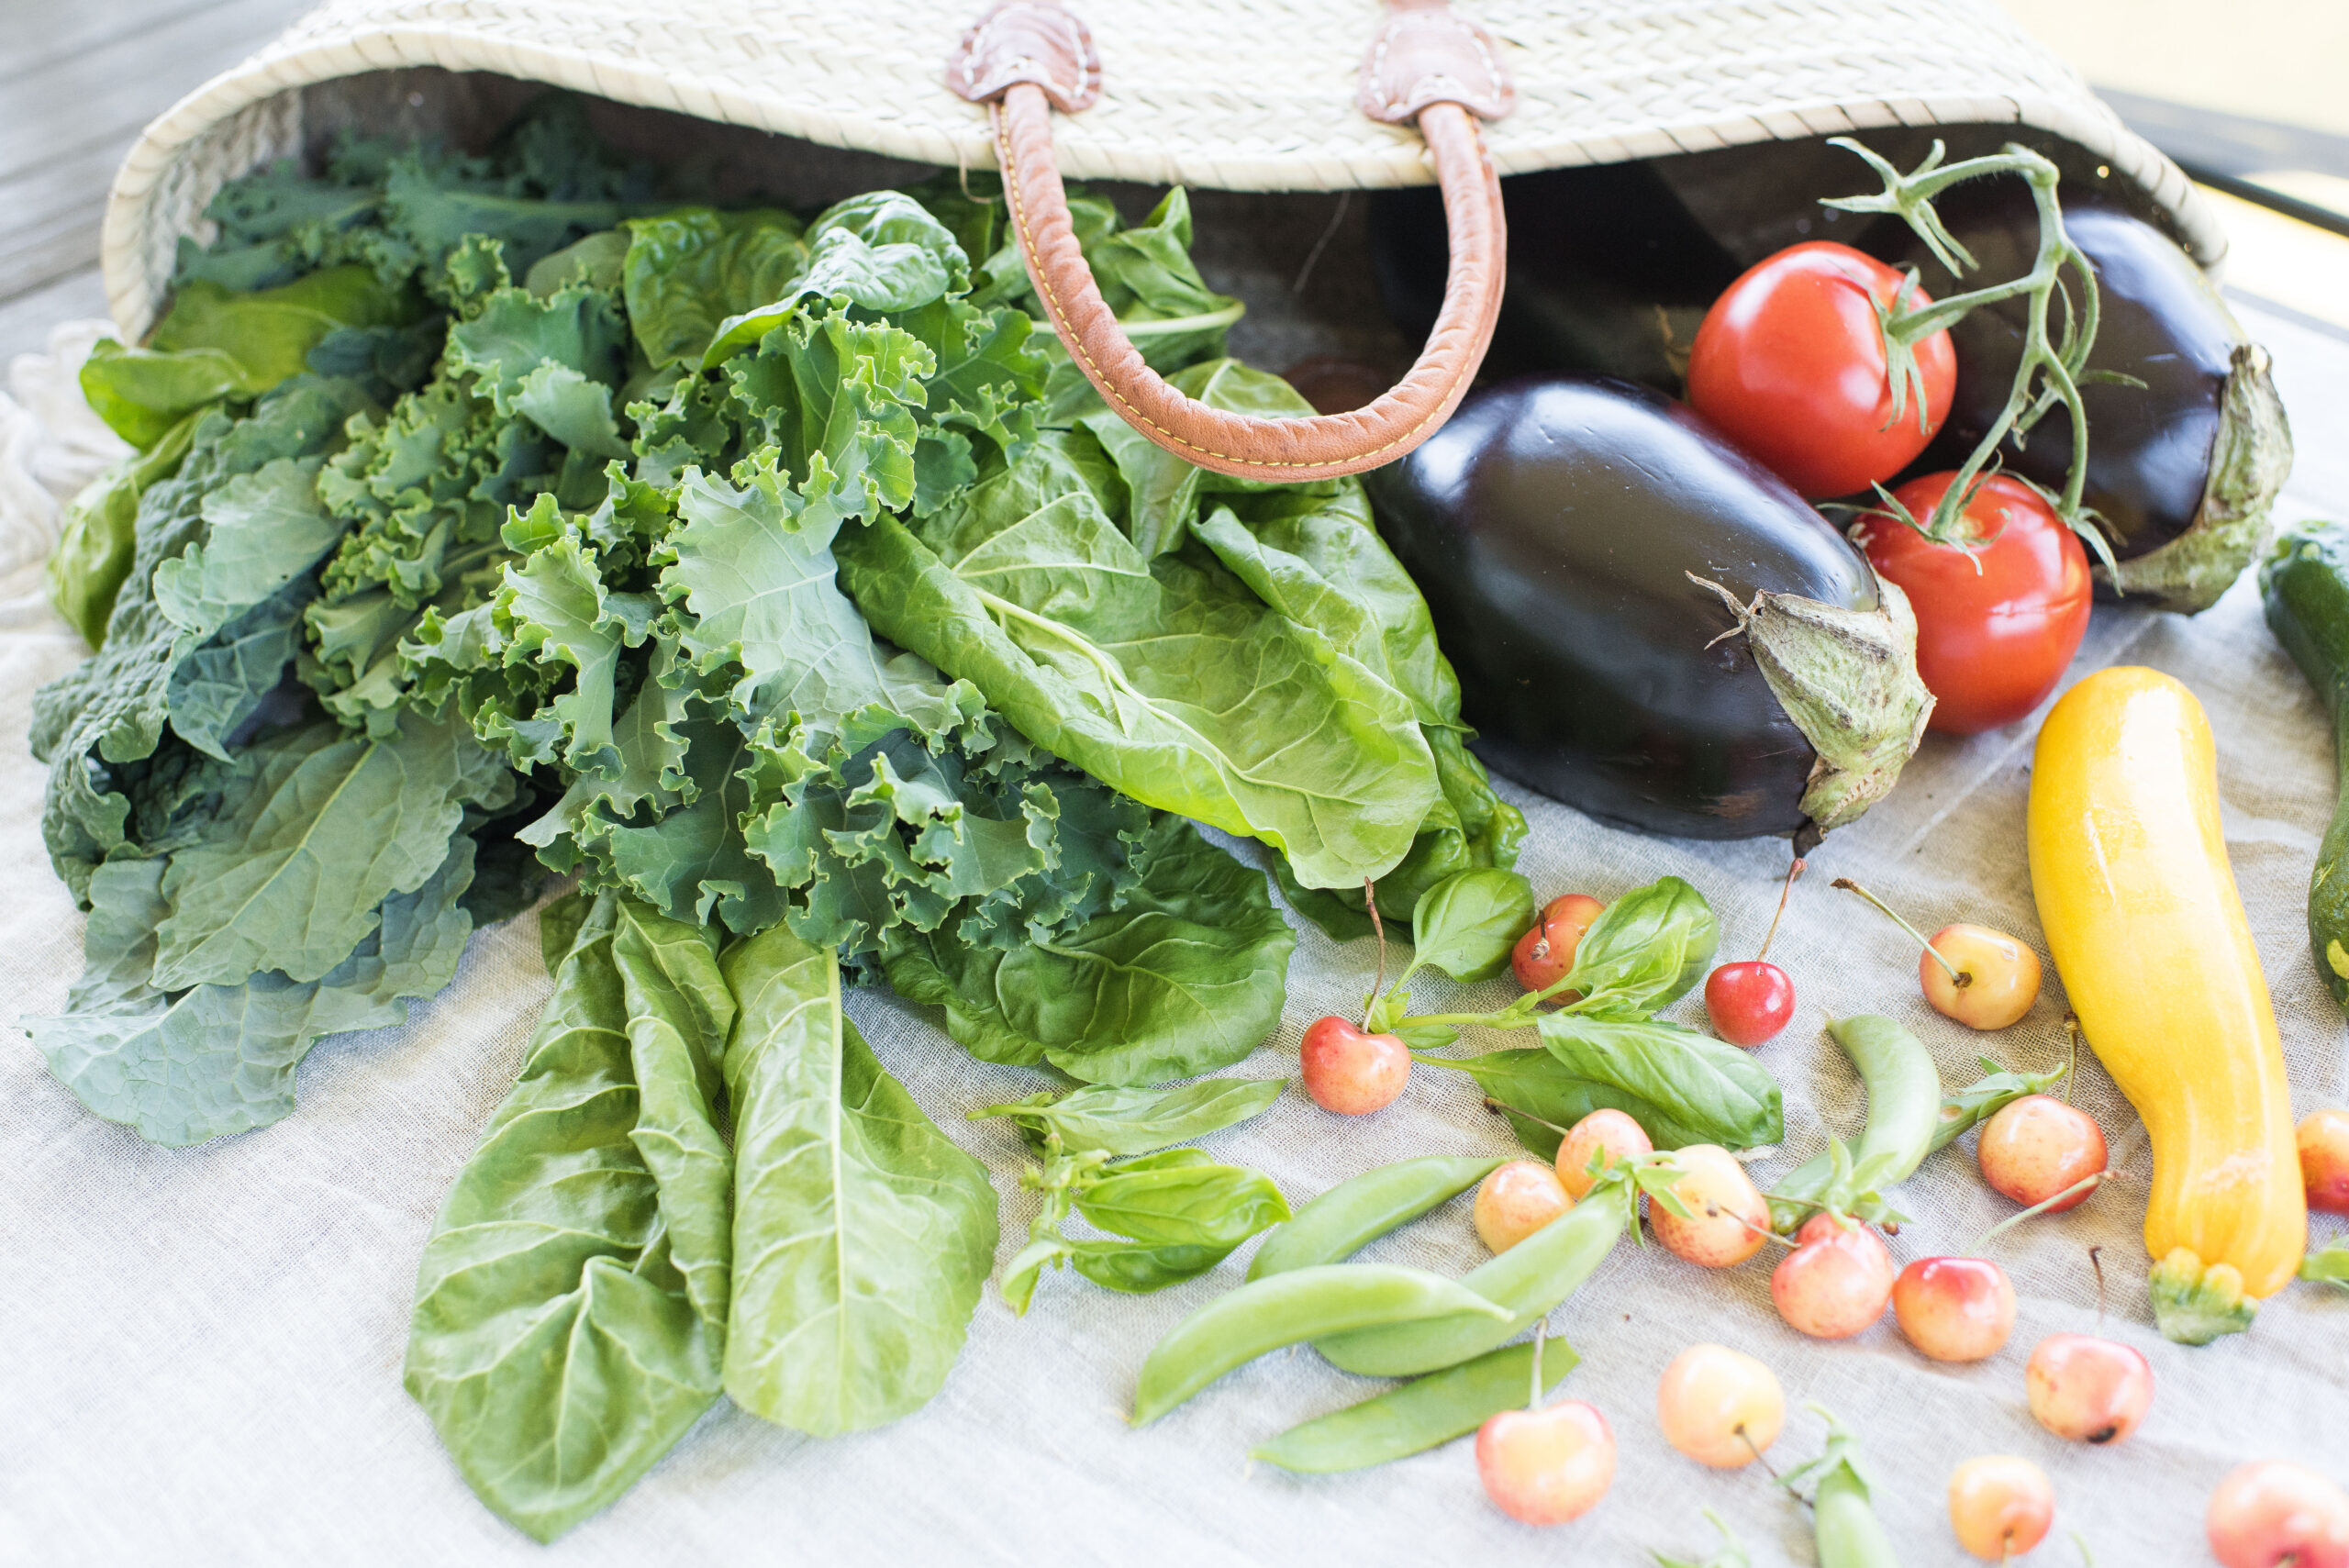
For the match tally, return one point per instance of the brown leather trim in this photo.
(1424, 54)
(1296, 449)
(1035, 41)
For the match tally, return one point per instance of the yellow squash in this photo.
(2140, 912)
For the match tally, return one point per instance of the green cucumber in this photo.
(2305, 581)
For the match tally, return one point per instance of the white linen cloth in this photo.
(200, 1349)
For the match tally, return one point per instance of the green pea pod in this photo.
(1286, 1309)
(1420, 1414)
(1843, 1514)
(1360, 1210)
(1527, 1281)
(1904, 1110)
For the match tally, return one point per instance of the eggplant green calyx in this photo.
(2250, 459)
(2193, 1305)
(1848, 679)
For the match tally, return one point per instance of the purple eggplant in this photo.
(2184, 469)
(1581, 543)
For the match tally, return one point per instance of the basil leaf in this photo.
(1139, 1267)
(1119, 1122)
(1541, 1098)
(1644, 950)
(1703, 1084)
(863, 1234)
(1179, 1199)
(1466, 924)
(570, 1306)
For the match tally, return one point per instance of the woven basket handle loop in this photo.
(1026, 58)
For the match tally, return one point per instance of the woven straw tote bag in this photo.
(1219, 95)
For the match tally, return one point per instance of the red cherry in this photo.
(1544, 954)
(1749, 1002)
(1352, 1073)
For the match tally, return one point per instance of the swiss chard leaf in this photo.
(1165, 678)
(687, 271)
(862, 1235)
(1703, 1084)
(563, 1337)
(1120, 1121)
(1185, 977)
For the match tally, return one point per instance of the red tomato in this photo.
(1998, 626)
(1789, 364)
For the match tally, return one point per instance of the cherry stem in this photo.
(1493, 1104)
(1378, 929)
(1747, 1439)
(2041, 1206)
(1794, 870)
(1957, 976)
(1540, 1332)
(1714, 1211)
(2072, 1052)
(2096, 1261)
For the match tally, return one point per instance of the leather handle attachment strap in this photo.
(1026, 58)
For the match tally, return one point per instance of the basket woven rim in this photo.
(251, 113)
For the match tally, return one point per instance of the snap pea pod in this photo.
(1904, 1109)
(1418, 1415)
(1842, 1515)
(1286, 1308)
(1358, 1211)
(1527, 1281)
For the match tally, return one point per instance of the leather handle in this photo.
(1426, 66)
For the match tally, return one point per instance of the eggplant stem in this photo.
(2084, 1184)
(1957, 977)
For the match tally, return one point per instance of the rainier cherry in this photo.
(1516, 1200)
(1544, 1467)
(2324, 1160)
(1720, 1406)
(1984, 979)
(1545, 953)
(2088, 1390)
(1728, 1216)
(1999, 1506)
(1610, 1132)
(1962, 1309)
(2039, 1146)
(1352, 1073)
(1750, 1002)
(2275, 1514)
(1836, 1281)
(1954, 1309)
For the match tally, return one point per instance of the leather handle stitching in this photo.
(1102, 383)
(1494, 83)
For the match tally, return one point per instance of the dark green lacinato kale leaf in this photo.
(571, 1308)
(1182, 977)
(180, 1068)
